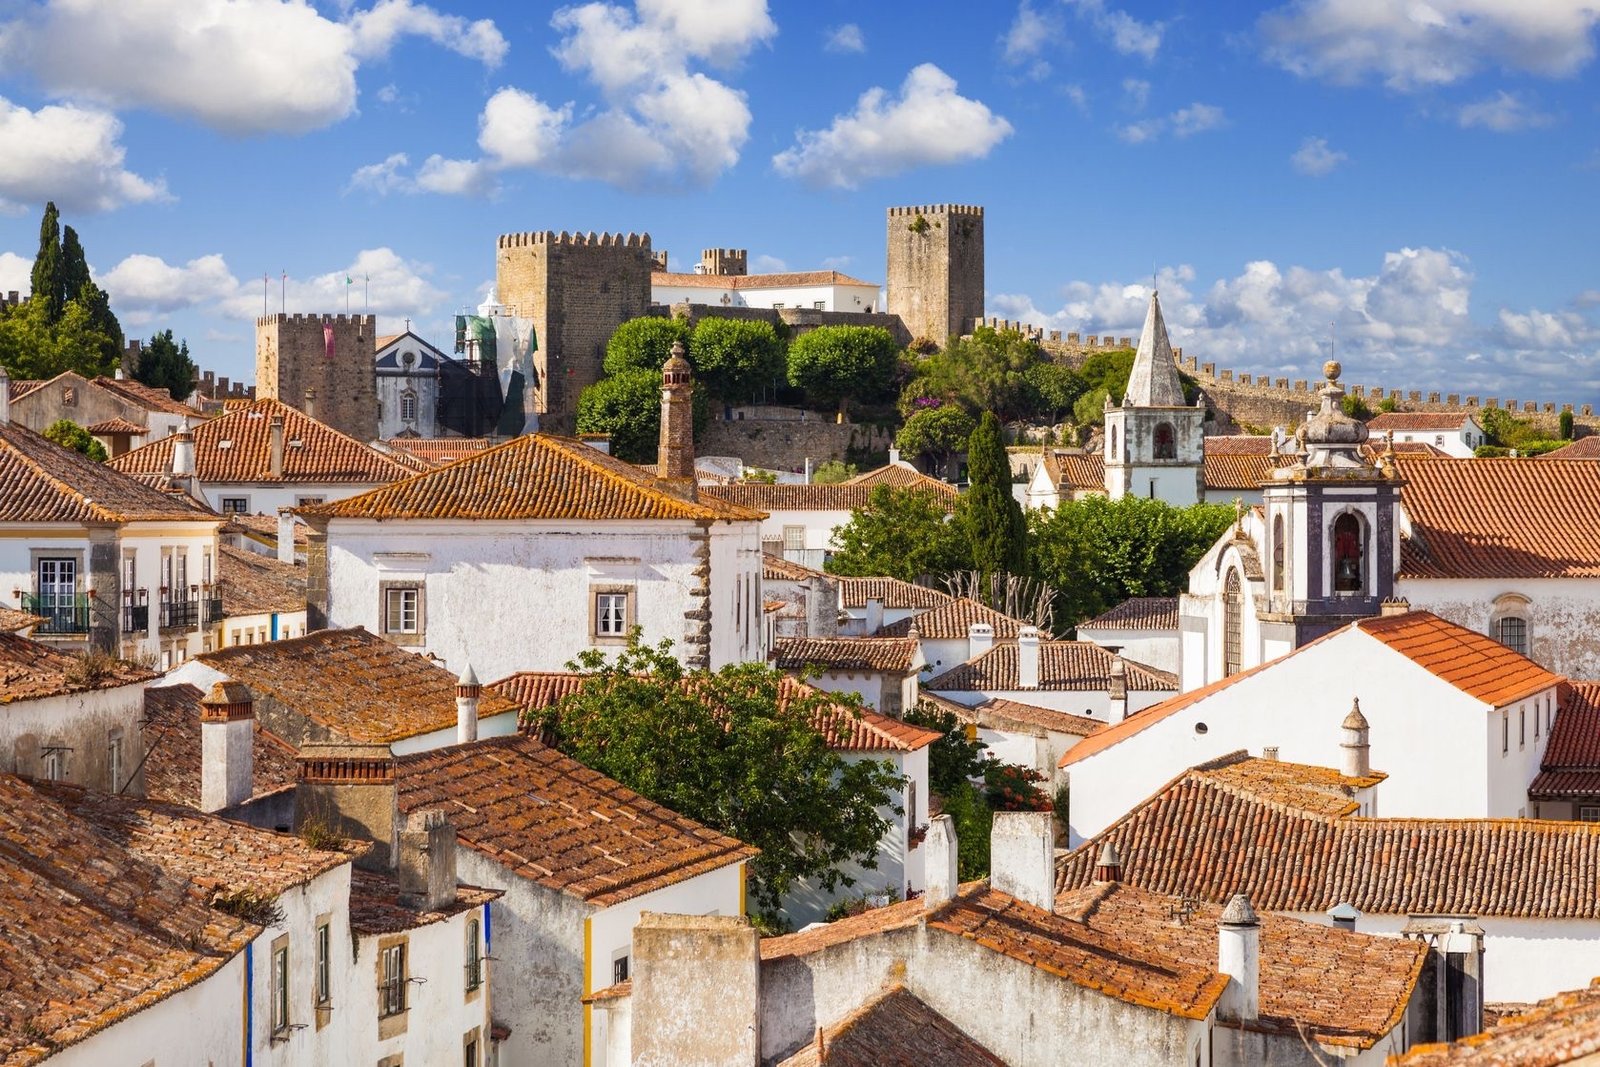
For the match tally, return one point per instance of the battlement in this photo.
(937, 209)
(590, 239)
(1054, 340)
(367, 323)
(11, 299)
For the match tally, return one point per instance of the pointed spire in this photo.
(1154, 380)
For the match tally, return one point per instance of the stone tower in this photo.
(935, 273)
(1154, 443)
(675, 456)
(577, 289)
(332, 357)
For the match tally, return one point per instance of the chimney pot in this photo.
(286, 535)
(1108, 868)
(1028, 657)
(183, 451)
(1356, 746)
(275, 445)
(980, 639)
(675, 453)
(467, 693)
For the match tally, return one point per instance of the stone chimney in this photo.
(467, 693)
(1118, 689)
(1108, 868)
(1357, 751)
(675, 457)
(1239, 957)
(696, 991)
(275, 445)
(940, 857)
(980, 639)
(285, 535)
(1028, 657)
(425, 862)
(227, 752)
(5, 397)
(350, 788)
(309, 406)
(183, 451)
(1022, 857)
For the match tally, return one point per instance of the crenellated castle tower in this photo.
(935, 272)
(327, 357)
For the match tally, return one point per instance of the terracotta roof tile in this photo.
(350, 682)
(1582, 448)
(376, 907)
(1000, 714)
(252, 583)
(889, 655)
(1416, 420)
(172, 738)
(950, 620)
(1063, 666)
(12, 620)
(146, 396)
(31, 670)
(537, 476)
(855, 592)
(901, 916)
(21, 387)
(116, 426)
(786, 496)
(1083, 472)
(904, 476)
(1207, 838)
(438, 451)
(1321, 790)
(1571, 762)
(1474, 663)
(1138, 613)
(236, 447)
(777, 569)
(894, 1028)
(550, 819)
(1463, 528)
(785, 280)
(43, 482)
(1563, 1029)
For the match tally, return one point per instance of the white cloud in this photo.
(1437, 42)
(1184, 122)
(517, 129)
(1140, 132)
(16, 273)
(391, 285)
(836, 262)
(241, 66)
(1315, 158)
(846, 39)
(383, 178)
(455, 177)
(152, 285)
(928, 123)
(1503, 113)
(1079, 98)
(68, 154)
(1136, 92)
(1127, 34)
(765, 264)
(1030, 34)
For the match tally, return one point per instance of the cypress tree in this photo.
(47, 276)
(990, 515)
(74, 268)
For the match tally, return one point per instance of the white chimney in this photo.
(1022, 857)
(1239, 957)
(467, 692)
(5, 397)
(183, 451)
(285, 535)
(310, 405)
(1108, 867)
(227, 740)
(874, 615)
(940, 860)
(1118, 689)
(894, 455)
(1357, 751)
(1028, 657)
(275, 445)
(980, 639)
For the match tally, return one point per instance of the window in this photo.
(401, 612)
(777, 307)
(324, 977)
(1513, 633)
(236, 505)
(58, 584)
(408, 406)
(611, 614)
(69, 396)
(474, 955)
(1113, 442)
(303, 501)
(820, 305)
(794, 538)
(1505, 732)
(114, 760)
(1277, 553)
(1589, 813)
(1347, 553)
(392, 986)
(1438, 439)
(469, 1052)
(280, 987)
(1536, 720)
(1232, 622)
(619, 967)
(1166, 442)
(54, 761)
(1522, 726)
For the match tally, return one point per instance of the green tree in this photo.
(48, 282)
(837, 364)
(1055, 389)
(165, 364)
(1097, 552)
(69, 434)
(74, 267)
(1356, 407)
(901, 533)
(989, 515)
(628, 407)
(954, 759)
(33, 347)
(728, 749)
(60, 280)
(936, 434)
(833, 472)
(645, 343)
(993, 370)
(1564, 424)
(736, 358)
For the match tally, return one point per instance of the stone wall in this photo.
(798, 320)
(935, 268)
(577, 289)
(293, 360)
(784, 444)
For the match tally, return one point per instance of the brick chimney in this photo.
(275, 445)
(227, 739)
(468, 690)
(675, 457)
(940, 856)
(1239, 957)
(1108, 868)
(1022, 858)
(425, 862)
(351, 789)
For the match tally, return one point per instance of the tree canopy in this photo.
(836, 364)
(989, 371)
(645, 343)
(990, 515)
(69, 434)
(936, 435)
(727, 749)
(901, 533)
(735, 359)
(165, 364)
(66, 323)
(628, 407)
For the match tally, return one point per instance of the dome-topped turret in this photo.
(1330, 425)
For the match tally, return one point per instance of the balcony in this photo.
(211, 606)
(63, 614)
(180, 614)
(135, 619)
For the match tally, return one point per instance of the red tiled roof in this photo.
(554, 821)
(1571, 763)
(43, 482)
(377, 908)
(855, 592)
(438, 451)
(903, 476)
(119, 425)
(1582, 448)
(888, 655)
(30, 670)
(146, 396)
(236, 447)
(1464, 527)
(1138, 613)
(1083, 472)
(537, 476)
(787, 280)
(12, 620)
(1563, 1029)
(1474, 663)
(1416, 420)
(950, 620)
(1063, 666)
(172, 738)
(893, 1028)
(1001, 714)
(252, 583)
(1321, 790)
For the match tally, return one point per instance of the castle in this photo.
(323, 365)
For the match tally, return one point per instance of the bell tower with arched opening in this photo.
(1154, 441)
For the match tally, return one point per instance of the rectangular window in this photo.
(1522, 727)
(474, 955)
(1589, 813)
(469, 1056)
(619, 968)
(280, 988)
(401, 610)
(820, 305)
(114, 760)
(794, 538)
(1505, 732)
(303, 501)
(54, 759)
(324, 977)
(392, 989)
(236, 505)
(1514, 635)
(611, 614)
(69, 396)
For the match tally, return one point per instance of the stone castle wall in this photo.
(577, 289)
(292, 361)
(785, 444)
(935, 268)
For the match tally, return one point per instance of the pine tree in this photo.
(74, 267)
(165, 364)
(47, 275)
(990, 515)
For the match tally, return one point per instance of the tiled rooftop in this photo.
(1463, 528)
(252, 583)
(109, 427)
(1063, 666)
(536, 476)
(1079, 471)
(1416, 420)
(1582, 448)
(552, 820)
(263, 528)
(172, 738)
(376, 907)
(438, 451)
(889, 655)
(950, 620)
(236, 447)
(30, 670)
(903, 476)
(894, 1028)
(1138, 613)
(1474, 663)
(1206, 838)
(354, 684)
(1321, 790)
(146, 396)
(1563, 1029)
(855, 592)
(1571, 762)
(787, 496)
(12, 620)
(43, 482)
(1001, 714)
(778, 569)
(784, 280)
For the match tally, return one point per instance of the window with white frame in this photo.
(392, 986)
(402, 609)
(324, 990)
(794, 538)
(611, 614)
(280, 986)
(1505, 731)
(408, 406)
(1589, 813)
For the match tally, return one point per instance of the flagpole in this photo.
(366, 294)
(264, 294)
(283, 293)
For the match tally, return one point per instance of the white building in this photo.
(118, 411)
(408, 386)
(527, 554)
(720, 281)
(882, 671)
(954, 632)
(255, 459)
(866, 605)
(1454, 434)
(1142, 628)
(1154, 440)
(1458, 720)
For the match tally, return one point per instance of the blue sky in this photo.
(1416, 179)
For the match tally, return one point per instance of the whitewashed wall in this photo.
(84, 723)
(267, 497)
(202, 1024)
(1563, 614)
(1154, 648)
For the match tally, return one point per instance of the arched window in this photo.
(1113, 442)
(1509, 623)
(1232, 620)
(1347, 570)
(408, 406)
(1166, 441)
(1277, 553)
